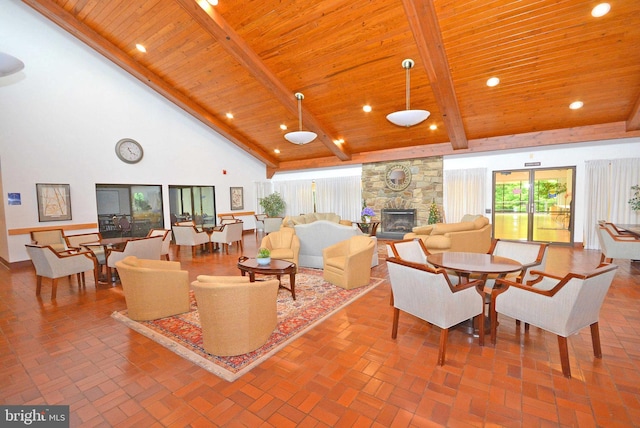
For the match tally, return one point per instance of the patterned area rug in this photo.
(316, 299)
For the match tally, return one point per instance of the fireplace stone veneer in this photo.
(396, 222)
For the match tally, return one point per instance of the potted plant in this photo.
(635, 201)
(272, 205)
(263, 257)
(366, 214)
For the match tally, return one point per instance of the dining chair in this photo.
(124, 226)
(529, 254)
(52, 264)
(259, 222)
(166, 240)
(142, 248)
(428, 294)
(617, 246)
(75, 242)
(51, 237)
(189, 236)
(411, 250)
(560, 305)
(227, 234)
(271, 224)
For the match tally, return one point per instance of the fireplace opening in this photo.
(397, 222)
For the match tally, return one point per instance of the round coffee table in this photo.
(275, 267)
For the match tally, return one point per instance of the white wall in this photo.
(566, 155)
(61, 117)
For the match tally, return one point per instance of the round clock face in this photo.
(129, 151)
(397, 177)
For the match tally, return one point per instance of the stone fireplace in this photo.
(396, 222)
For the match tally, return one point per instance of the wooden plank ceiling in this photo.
(248, 58)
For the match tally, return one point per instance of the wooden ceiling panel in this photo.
(249, 57)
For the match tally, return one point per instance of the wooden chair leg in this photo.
(38, 285)
(480, 320)
(595, 340)
(564, 356)
(193, 251)
(54, 288)
(444, 335)
(394, 330)
(494, 321)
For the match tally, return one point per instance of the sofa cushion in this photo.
(442, 228)
(438, 242)
(327, 216)
(470, 217)
(423, 230)
(480, 222)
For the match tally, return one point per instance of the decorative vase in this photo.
(367, 219)
(263, 260)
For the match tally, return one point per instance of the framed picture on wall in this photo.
(54, 202)
(237, 198)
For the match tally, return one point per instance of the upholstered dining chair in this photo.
(283, 244)
(142, 248)
(52, 237)
(428, 294)
(272, 224)
(347, 264)
(228, 234)
(237, 316)
(411, 250)
(560, 305)
(189, 236)
(153, 288)
(617, 246)
(52, 264)
(259, 222)
(75, 242)
(529, 254)
(166, 240)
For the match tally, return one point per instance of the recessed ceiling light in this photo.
(600, 10)
(433, 127)
(141, 48)
(576, 105)
(283, 127)
(367, 108)
(213, 2)
(276, 151)
(229, 115)
(338, 141)
(493, 81)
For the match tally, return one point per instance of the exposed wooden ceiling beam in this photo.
(633, 122)
(582, 134)
(426, 32)
(212, 22)
(87, 35)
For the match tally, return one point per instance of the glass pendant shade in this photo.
(9, 64)
(408, 117)
(300, 137)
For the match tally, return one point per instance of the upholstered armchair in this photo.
(617, 246)
(52, 264)
(166, 240)
(228, 234)
(259, 221)
(237, 316)
(283, 244)
(75, 242)
(410, 250)
(153, 288)
(560, 305)
(142, 248)
(529, 254)
(428, 294)
(347, 264)
(189, 236)
(53, 238)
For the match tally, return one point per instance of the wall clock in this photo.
(129, 151)
(397, 177)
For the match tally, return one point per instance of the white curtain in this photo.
(340, 195)
(297, 195)
(608, 190)
(464, 193)
(263, 188)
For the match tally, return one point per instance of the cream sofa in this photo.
(320, 234)
(472, 234)
(291, 221)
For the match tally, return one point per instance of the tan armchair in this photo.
(428, 294)
(347, 264)
(153, 288)
(560, 305)
(52, 264)
(228, 234)
(237, 316)
(189, 236)
(166, 240)
(53, 238)
(283, 244)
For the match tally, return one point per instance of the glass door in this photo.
(196, 203)
(534, 204)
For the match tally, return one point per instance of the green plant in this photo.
(635, 201)
(263, 253)
(273, 205)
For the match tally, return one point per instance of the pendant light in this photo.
(300, 137)
(408, 117)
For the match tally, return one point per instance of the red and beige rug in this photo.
(316, 300)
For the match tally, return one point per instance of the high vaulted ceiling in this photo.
(249, 57)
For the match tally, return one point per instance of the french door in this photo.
(534, 204)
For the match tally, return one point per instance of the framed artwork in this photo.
(54, 202)
(237, 198)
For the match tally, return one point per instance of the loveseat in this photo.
(291, 221)
(472, 234)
